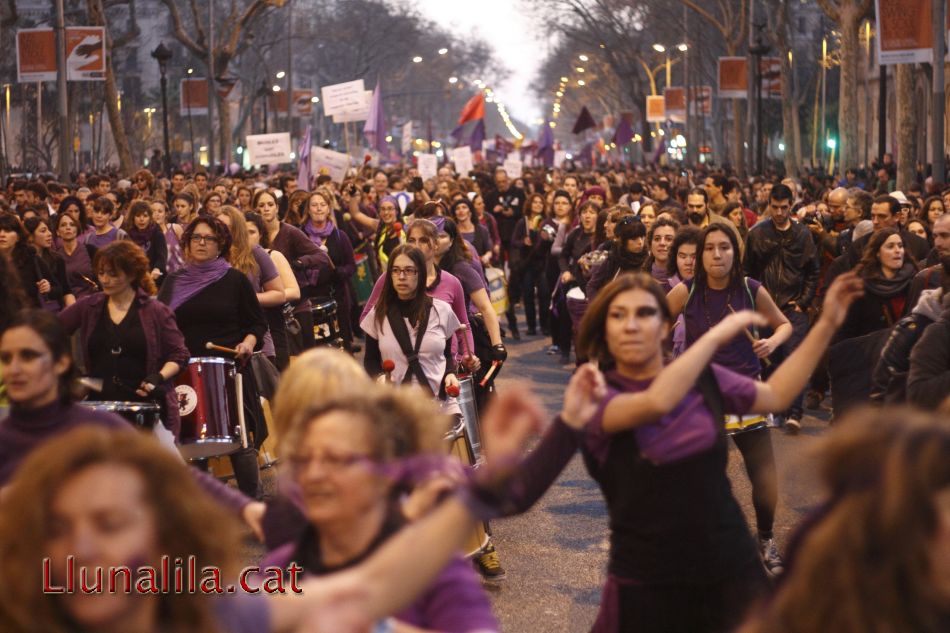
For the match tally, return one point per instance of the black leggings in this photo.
(756, 449)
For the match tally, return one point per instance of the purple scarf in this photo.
(194, 278)
(318, 236)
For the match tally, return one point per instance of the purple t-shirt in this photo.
(266, 271)
(101, 241)
(707, 307)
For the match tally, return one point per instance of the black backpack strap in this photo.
(411, 352)
(712, 396)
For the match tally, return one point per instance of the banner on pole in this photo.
(733, 78)
(193, 96)
(358, 112)
(340, 98)
(303, 106)
(326, 161)
(513, 167)
(700, 100)
(269, 149)
(428, 166)
(462, 157)
(905, 31)
(85, 54)
(675, 105)
(656, 109)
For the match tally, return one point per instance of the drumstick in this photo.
(218, 348)
(388, 367)
(752, 339)
(495, 364)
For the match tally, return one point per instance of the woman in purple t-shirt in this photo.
(718, 289)
(681, 556)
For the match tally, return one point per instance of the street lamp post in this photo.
(263, 93)
(758, 51)
(162, 55)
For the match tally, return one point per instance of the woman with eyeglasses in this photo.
(410, 328)
(215, 303)
(344, 456)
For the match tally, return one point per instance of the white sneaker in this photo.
(793, 426)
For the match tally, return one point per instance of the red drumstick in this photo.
(495, 364)
(452, 391)
(388, 367)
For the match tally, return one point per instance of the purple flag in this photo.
(624, 133)
(303, 161)
(584, 121)
(546, 144)
(375, 128)
(478, 135)
(457, 135)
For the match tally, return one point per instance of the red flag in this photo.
(473, 110)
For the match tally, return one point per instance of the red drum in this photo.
(209, 400)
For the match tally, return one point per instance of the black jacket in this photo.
(786, 262)
(889, 379)
(928, 384)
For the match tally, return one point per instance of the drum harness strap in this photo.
(411, 352)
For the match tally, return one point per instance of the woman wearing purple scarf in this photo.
(335, 284)
(214, 303)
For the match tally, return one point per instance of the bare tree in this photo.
(231, 30)
(97, 17)
(905, 75)
(778, 17)
(729, 18)
(848, 14)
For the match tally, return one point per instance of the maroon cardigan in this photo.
(164, 342)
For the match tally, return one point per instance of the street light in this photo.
(453, 80)
(443, 51)
(281, 74)
(583, 58)
(162, 55)
(417, 59)
(276, 88)
(659, 48)
(683, 48)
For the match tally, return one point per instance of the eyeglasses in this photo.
(204, 239)
(404, 272)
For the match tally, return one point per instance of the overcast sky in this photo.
(506, 26)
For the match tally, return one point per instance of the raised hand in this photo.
(584, 394)
(842, 292)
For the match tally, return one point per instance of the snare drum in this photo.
(460, 448)
(208, 401)
(326, 329)
(469, 409)
(143, 415)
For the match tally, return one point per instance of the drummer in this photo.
(215, 303)
(128, 340)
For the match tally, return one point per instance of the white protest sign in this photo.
(428, 166)
(462, 157)
(356, 113)
(559, 157)
(407, 137)
(269, 149)
(513, 167)
(343, 97)
(326, 161)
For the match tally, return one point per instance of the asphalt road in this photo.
(556, 554)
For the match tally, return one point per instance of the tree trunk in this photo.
(906, 126)
(848, 145)
(738, 136)
(126, 166)
(224, 130)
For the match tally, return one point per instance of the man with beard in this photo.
(699, 215)
(782, 255)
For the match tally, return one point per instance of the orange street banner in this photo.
(675, 103)
(277, 102)
(194, 96)
(733, 78)
(656, 109)
(86, 53)
(905, 31)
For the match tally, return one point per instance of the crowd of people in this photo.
(359, 322)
